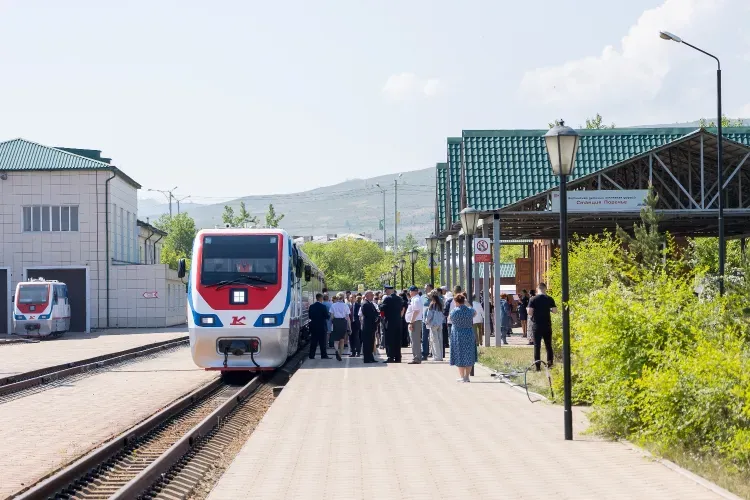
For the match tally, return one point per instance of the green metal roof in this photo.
(441, 180)
(503, 167)
(454, 177)
(506, 269)
(20, 155)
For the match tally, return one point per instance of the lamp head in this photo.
(562, 147)
(469, 220)
(414, 255)
(666, 35)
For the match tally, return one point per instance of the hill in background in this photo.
(353, 206)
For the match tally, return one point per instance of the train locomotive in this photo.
(248, 295)
(41, 308)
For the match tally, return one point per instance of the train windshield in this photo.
(33, 294)
(250, 257)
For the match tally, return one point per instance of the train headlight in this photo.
(207, 320)
(269, 320)
(237, 296)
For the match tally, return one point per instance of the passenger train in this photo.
(41, 308)
(248, 295)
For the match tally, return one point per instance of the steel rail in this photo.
(27, 380)
(88, 464)
(143, 481)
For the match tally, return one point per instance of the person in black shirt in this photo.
(391, 309)
(539, 310)
(318, 315)
(369, 325)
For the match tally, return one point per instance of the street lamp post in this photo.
(395, 271)
(432, 243)
(401, 265)
(469, 221)
(719, 151)
(562, 146)
(413, 255)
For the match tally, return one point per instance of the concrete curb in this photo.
(715, 488)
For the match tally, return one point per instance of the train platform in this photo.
(23, 357)
(57, 423)
(346, 430)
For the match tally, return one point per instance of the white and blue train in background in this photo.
(248, 295)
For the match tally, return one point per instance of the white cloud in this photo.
(409, 85)
(633, 72)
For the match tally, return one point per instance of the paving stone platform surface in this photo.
(16, 358)
(346, 430)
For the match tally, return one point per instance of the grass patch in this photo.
(514, 361)
(735, 480)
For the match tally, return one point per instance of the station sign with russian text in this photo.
(621, 200)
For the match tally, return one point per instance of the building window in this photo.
(45, 218)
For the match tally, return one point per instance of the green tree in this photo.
(239, 220)
(178, 244)
(408, 242)
(725, 122)
(343, 261)
(272, 220)
(646, 246)
(596, 123)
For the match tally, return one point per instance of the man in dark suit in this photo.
(369, 325)
(391, 309)
(318, 314)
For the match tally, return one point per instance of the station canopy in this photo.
(507, 172)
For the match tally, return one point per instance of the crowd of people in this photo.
(429, 321)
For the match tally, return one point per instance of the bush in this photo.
(658, 363)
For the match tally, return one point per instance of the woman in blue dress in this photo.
(463, 347)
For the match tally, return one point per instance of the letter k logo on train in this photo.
(238, 321)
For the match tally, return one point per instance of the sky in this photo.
(231, 98)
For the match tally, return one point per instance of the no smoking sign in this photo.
(482, 251)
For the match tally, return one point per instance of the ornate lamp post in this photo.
(395, 271)
(719, 151)
(413, 256)
(469, 221)
(562, 146)
(401, 264)
(432, 244)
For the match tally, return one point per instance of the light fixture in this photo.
(432, 242)
(469, 220)
(414, 255)
(666, 35)
(562, 146)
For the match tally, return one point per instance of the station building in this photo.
(70, 215)
(506, 175)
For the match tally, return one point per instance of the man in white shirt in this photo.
(414, 317)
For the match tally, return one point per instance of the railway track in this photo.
(28, 380)
(167, 455)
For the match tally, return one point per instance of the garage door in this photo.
(77, 292)
(4, 301)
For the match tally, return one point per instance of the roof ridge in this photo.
(586, 132)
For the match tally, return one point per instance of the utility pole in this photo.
(178, 202)
(383, 191)
(395, 215)
(169, 195)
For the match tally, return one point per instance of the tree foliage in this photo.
(595, 123)
(272, 220)
(659, 363)
(349, 262)
(725, 122)
(178, 244)
(240, 219)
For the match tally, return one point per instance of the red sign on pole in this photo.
(482, 251)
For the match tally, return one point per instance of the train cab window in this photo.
(250, 257)
(33, 294)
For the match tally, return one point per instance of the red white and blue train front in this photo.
(239, 299)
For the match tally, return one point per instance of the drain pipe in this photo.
(145, 248)
(155, 242)
(106, 231)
